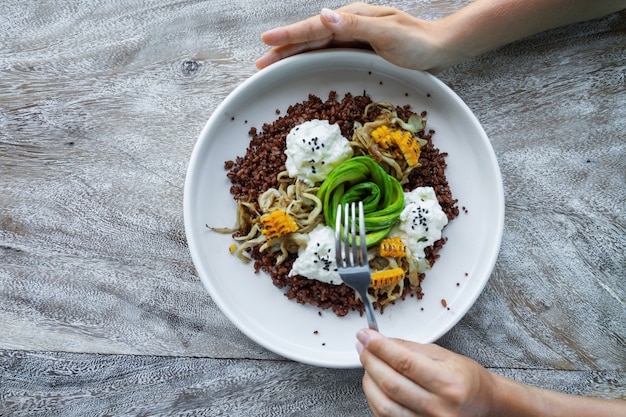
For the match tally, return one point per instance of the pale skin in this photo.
(410, 379)
(429, 45)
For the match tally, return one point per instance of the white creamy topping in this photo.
(315, 148)
(421, 221)
(317, 260)
(420, 225)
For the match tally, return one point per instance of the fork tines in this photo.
(352, 263)
(358, 255)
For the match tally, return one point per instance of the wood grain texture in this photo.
(51, 384)
(101, 310)
(81, 385)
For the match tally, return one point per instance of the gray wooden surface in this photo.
(101, 311)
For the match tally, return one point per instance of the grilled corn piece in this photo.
(386, 277)
(278, 223)
(392, 247)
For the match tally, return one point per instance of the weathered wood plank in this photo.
(50, 384)
(101, 310)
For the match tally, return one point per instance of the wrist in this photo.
(446, 49)
(484, 25)
(509, 398)
(514, 399)
(468, 32)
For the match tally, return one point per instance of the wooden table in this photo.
(101, 310)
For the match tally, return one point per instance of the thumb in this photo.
(346, 25)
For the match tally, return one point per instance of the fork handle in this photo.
(369, 314)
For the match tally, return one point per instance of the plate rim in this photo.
(296, 60)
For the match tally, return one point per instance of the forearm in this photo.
(487, 24)
(514, 399)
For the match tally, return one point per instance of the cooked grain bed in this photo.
(256, 172)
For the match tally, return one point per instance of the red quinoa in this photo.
(256, 171)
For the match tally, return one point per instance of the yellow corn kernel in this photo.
(404, 140)
(410, 148)
(383, 136)
(392, 247)
(232, 248)
(387, 277)
(278, 223)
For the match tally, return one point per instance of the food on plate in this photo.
(313, 149)
(298, 168)
(362, 178)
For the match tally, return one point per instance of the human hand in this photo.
(396, 36)
(410, 379)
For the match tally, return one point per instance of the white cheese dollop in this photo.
(314, 148)
(317, 259)
(421, 222)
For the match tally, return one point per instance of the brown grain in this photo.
(256, 171)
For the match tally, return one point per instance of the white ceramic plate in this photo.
(251, 301)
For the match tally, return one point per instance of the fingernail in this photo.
(359, 347)
(264, 34)
(331, 16)
(364, 336)
(264, 61)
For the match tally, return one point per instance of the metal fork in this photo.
(352, 263)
